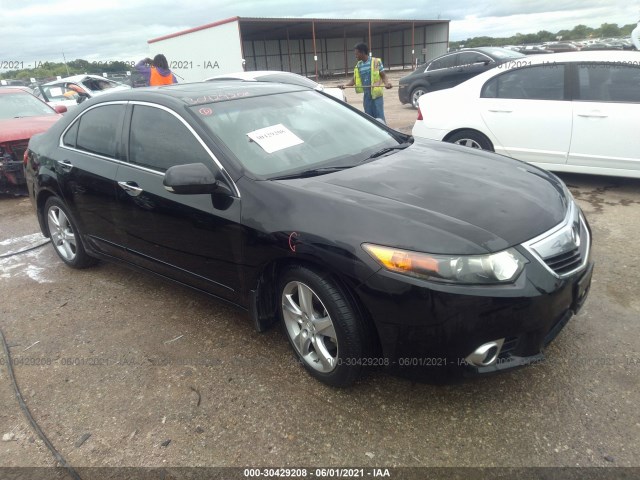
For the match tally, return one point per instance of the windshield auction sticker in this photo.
(274, 138)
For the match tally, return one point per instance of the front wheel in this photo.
(323, 328)
(65, 235)
(471, 138)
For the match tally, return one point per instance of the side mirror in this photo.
(81, 97)
(60, 109)
(193, 178)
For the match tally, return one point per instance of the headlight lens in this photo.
(501, 267)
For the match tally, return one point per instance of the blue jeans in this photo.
(374, 107)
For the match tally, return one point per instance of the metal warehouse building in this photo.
(308, 46)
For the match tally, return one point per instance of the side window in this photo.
(70, 137)
(602, 82)
(542, 82)
(99, 130)
(158, 140)
(444, 62)
(469, 58)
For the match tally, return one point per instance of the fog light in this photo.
(486, 354)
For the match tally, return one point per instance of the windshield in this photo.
(281, 134)
(18, 105)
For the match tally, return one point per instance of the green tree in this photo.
(581, 32)
(609, 30)
(545, 36)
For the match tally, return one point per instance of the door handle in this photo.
(593, 114)
(66, 165)
(131, 188)
(495, 110)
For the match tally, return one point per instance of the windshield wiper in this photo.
(379, 153)
(312, 172)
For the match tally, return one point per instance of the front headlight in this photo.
(501, 267)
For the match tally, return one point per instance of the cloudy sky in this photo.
(40, 30)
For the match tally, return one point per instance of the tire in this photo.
(471, 138)
(416, 93)
(325, 330)
(65, 236)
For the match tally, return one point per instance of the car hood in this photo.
(437, 198)
(14, 129)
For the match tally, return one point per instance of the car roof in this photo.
(253, 74)
(76, 78)
(614, 57)
(200, 93)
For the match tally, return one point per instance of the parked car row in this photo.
(571, 112)
(558, 47)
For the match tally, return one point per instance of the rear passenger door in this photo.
(90, 153)
(606, 116)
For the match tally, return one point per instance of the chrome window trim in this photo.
(140, 167)
(438, 59)
(477, 53)
(568, 220)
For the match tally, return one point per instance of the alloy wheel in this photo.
(309, 327)
(468, 142)
(62, 234)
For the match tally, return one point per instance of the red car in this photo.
(21, 116)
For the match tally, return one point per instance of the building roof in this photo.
(253, 28)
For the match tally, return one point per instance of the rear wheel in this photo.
(471, 138)
(323, 328)
(65, 236)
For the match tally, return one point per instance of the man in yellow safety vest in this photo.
(369, 78)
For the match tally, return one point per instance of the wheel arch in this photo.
(41, 200)
(473, 130)
(263, 297)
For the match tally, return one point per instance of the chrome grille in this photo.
(565, 262)
(564, 250)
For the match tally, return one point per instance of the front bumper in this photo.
(404, 93)
(430, 333)
(12, 178)
(431, 330)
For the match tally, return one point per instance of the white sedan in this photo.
(280, 77)
(568, 112)
(70, 91)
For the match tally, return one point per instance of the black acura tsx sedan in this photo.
(369, 247)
